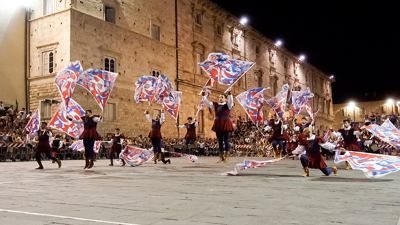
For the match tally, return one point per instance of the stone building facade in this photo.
(357, 111)
(137, 37)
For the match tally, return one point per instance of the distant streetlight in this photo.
(352, 106)
(278, 43)
(302, 57)
(332, 78)
(244, 20)
(390, 102)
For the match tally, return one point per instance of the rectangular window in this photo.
(198, 19)
(47, 62)
(48, 7)
(257, 50)
(109, 64)
(110, 112)
(109, 14)
(155, 32)
(45, 110)
(219, 29)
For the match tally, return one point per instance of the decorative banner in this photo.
(192, 158)
(201, 105)
(300, 99)
(310, 111)
(66, 81)
(387, 132)
(145, 89)
(79, 147)
(246, 164)
(252, 102)
(135, 156)
(99, 83)
(278, 103)
(172, 103)
(163, 88)
(61, 123)
(219, 67)
(373, 165)
(34, 123)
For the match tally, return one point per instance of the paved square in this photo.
(186, 193)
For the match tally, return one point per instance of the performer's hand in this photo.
(229, 93)
(203, 93)
(146, 112)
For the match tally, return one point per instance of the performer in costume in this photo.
(117, 141)
(43, 146)
(190, 126)
(155, 136)
(313, 158)
(349, 139)
(222, 123)
(89, 135)
(277, 137)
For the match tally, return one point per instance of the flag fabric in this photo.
(79, 147)
(373, 165)
(66, 81)
(387, 132)
(278, 103)
(192, 158)
(163, 88)
(310, 111)
(33, 124)
(246, 164)
(220, 68)
(172, 102)
(145, 89)
(61, 123)
(99, 83)
(300, 99)
(135, 156)
(252, 102)
(201, 105)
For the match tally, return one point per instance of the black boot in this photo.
(40, 165)
(111, 162)
(59, 163)
(91, 164)
(86, 163)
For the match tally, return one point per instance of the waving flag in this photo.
(99, 83)
(163, 88)
(252, 102)
(387, 132)
(300, 99)
(145, 89)
(135, 156)
(61, 123)
(278, 103)
(246, 164)
(79, 147)
(201, 105)
(373, 165)
(172, 102)
(34, 123)
(310, 111)
(66, 81)
(220, 68)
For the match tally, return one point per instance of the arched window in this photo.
(109, 64)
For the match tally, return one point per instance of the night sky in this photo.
(359, 44)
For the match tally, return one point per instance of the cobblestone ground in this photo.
(186, 193)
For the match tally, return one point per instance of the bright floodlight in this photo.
(244, 20)
(302, 57)
(278, 43)
(332, 77)
(351, 105)
(390, 101)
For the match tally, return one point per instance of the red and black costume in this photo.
(313, 158)
(43, 146)
(349, 139)
(116, 147)
(155, 137)
(222, 123)
(190, 136)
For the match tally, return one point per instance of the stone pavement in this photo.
(184, 193)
